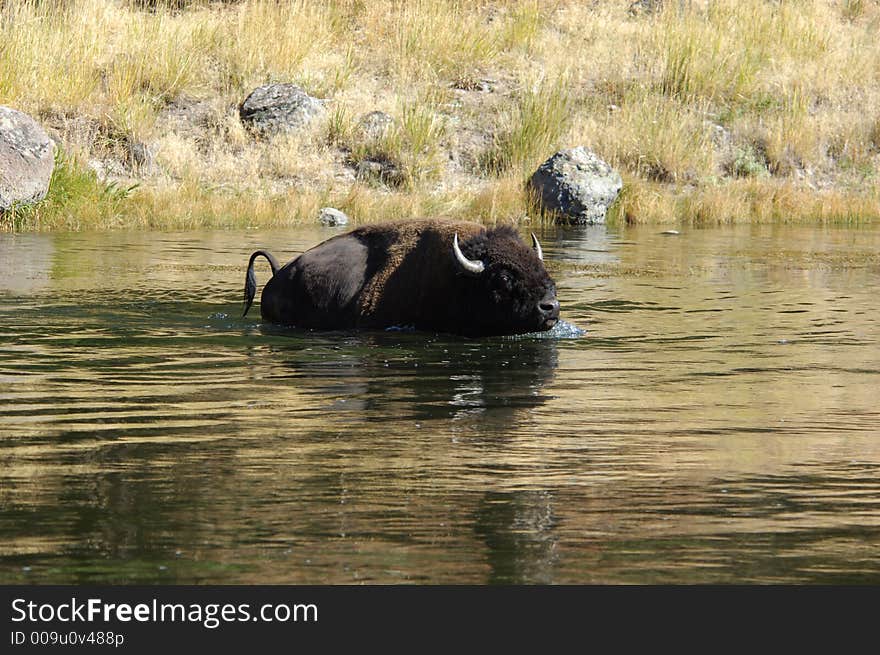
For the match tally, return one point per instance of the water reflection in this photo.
(416, 376)
(517, 529)
(25, 262)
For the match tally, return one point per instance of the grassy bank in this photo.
(718, 111)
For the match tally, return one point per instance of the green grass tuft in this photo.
(75, 195)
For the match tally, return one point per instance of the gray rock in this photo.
(107, 170)
(188, 116)
(720, 135)
(375, 124)
(467, 145)
(369, 170)
(645, 7)
(331, 217)
(379, 169)
(140, 156)
(576, 185)
(277, 108)
(27, 157)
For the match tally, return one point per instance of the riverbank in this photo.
(712, 112)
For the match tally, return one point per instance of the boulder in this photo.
(190, 117)
(27, 157)
(576, 186)
(380, 169)
(277, 108)
(375, 124)
(645, 7)
(331, 217)
(140, 156)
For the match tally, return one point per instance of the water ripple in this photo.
(717, 423)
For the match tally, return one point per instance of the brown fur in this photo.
(402, 240)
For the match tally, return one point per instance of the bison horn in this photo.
(537, 246)
(472, 266)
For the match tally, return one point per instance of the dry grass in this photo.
(713, 111)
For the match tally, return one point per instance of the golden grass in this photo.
(529, 130)
(713, 111)
(756, 200)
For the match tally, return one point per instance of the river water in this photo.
(717, 421)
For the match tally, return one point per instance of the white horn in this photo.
(537, 246)
(474, 267)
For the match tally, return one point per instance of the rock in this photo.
(378, 168)
(720, 135)
(645, 7)
(140, 156)
(467, 146)
(375, 124)
(277, 108)
(576, 185)
(331, 217)
(107, 170)
(469, 83)
(188, 116)
(369, 170)
(27, 157)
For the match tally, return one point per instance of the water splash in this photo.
(562, 330)
(401, 328)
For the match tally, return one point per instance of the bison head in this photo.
(505, 288)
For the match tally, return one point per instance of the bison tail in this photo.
(250, 280)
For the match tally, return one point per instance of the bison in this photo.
(441, 276)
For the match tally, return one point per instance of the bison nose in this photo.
(549, 308)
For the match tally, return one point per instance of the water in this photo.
(718, 422)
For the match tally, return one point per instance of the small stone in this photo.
(97, 166)
(331, 217)
(670, 233)
(368, 169)
(720, 135)
(375, 124)
(645, 7)
(468, 83)
(107, 170)
(187, 116)
(379, 170)
(140, 155)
